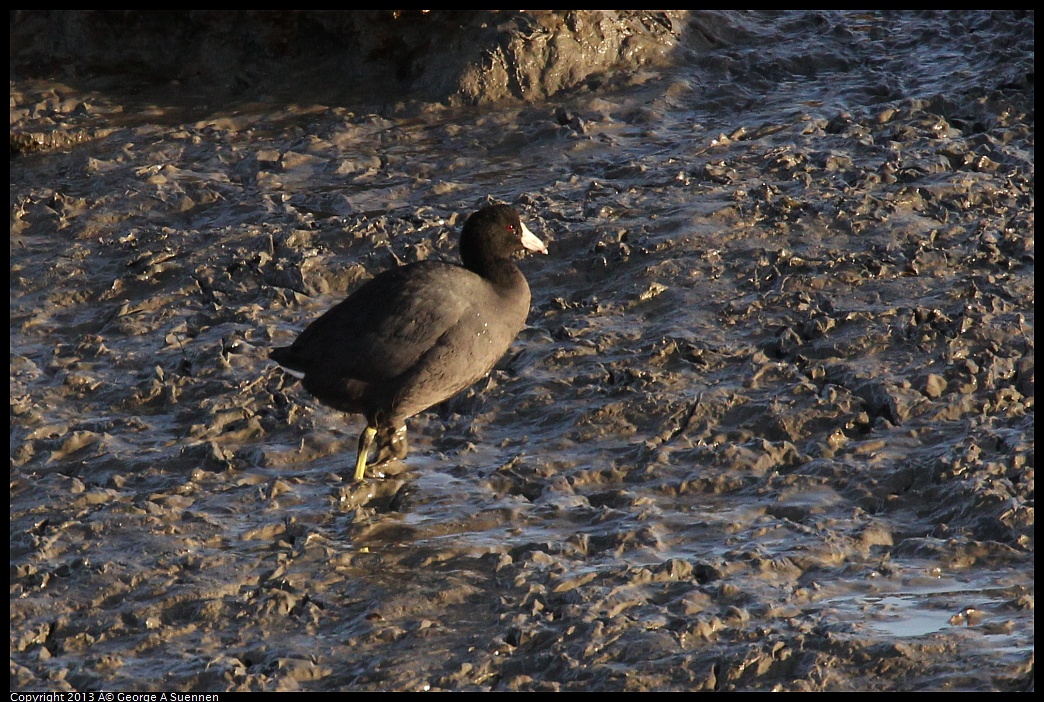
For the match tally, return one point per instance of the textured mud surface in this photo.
(770, 426)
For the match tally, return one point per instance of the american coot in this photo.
(418, 334)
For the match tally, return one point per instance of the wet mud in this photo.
(769, 426)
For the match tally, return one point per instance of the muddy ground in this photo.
(770, 425)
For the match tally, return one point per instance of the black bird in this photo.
(417, 334)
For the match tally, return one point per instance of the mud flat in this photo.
(769, 427)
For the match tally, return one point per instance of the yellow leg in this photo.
(365, 441)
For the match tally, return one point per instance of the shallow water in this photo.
(770, 425)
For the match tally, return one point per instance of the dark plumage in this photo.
(418, 334)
